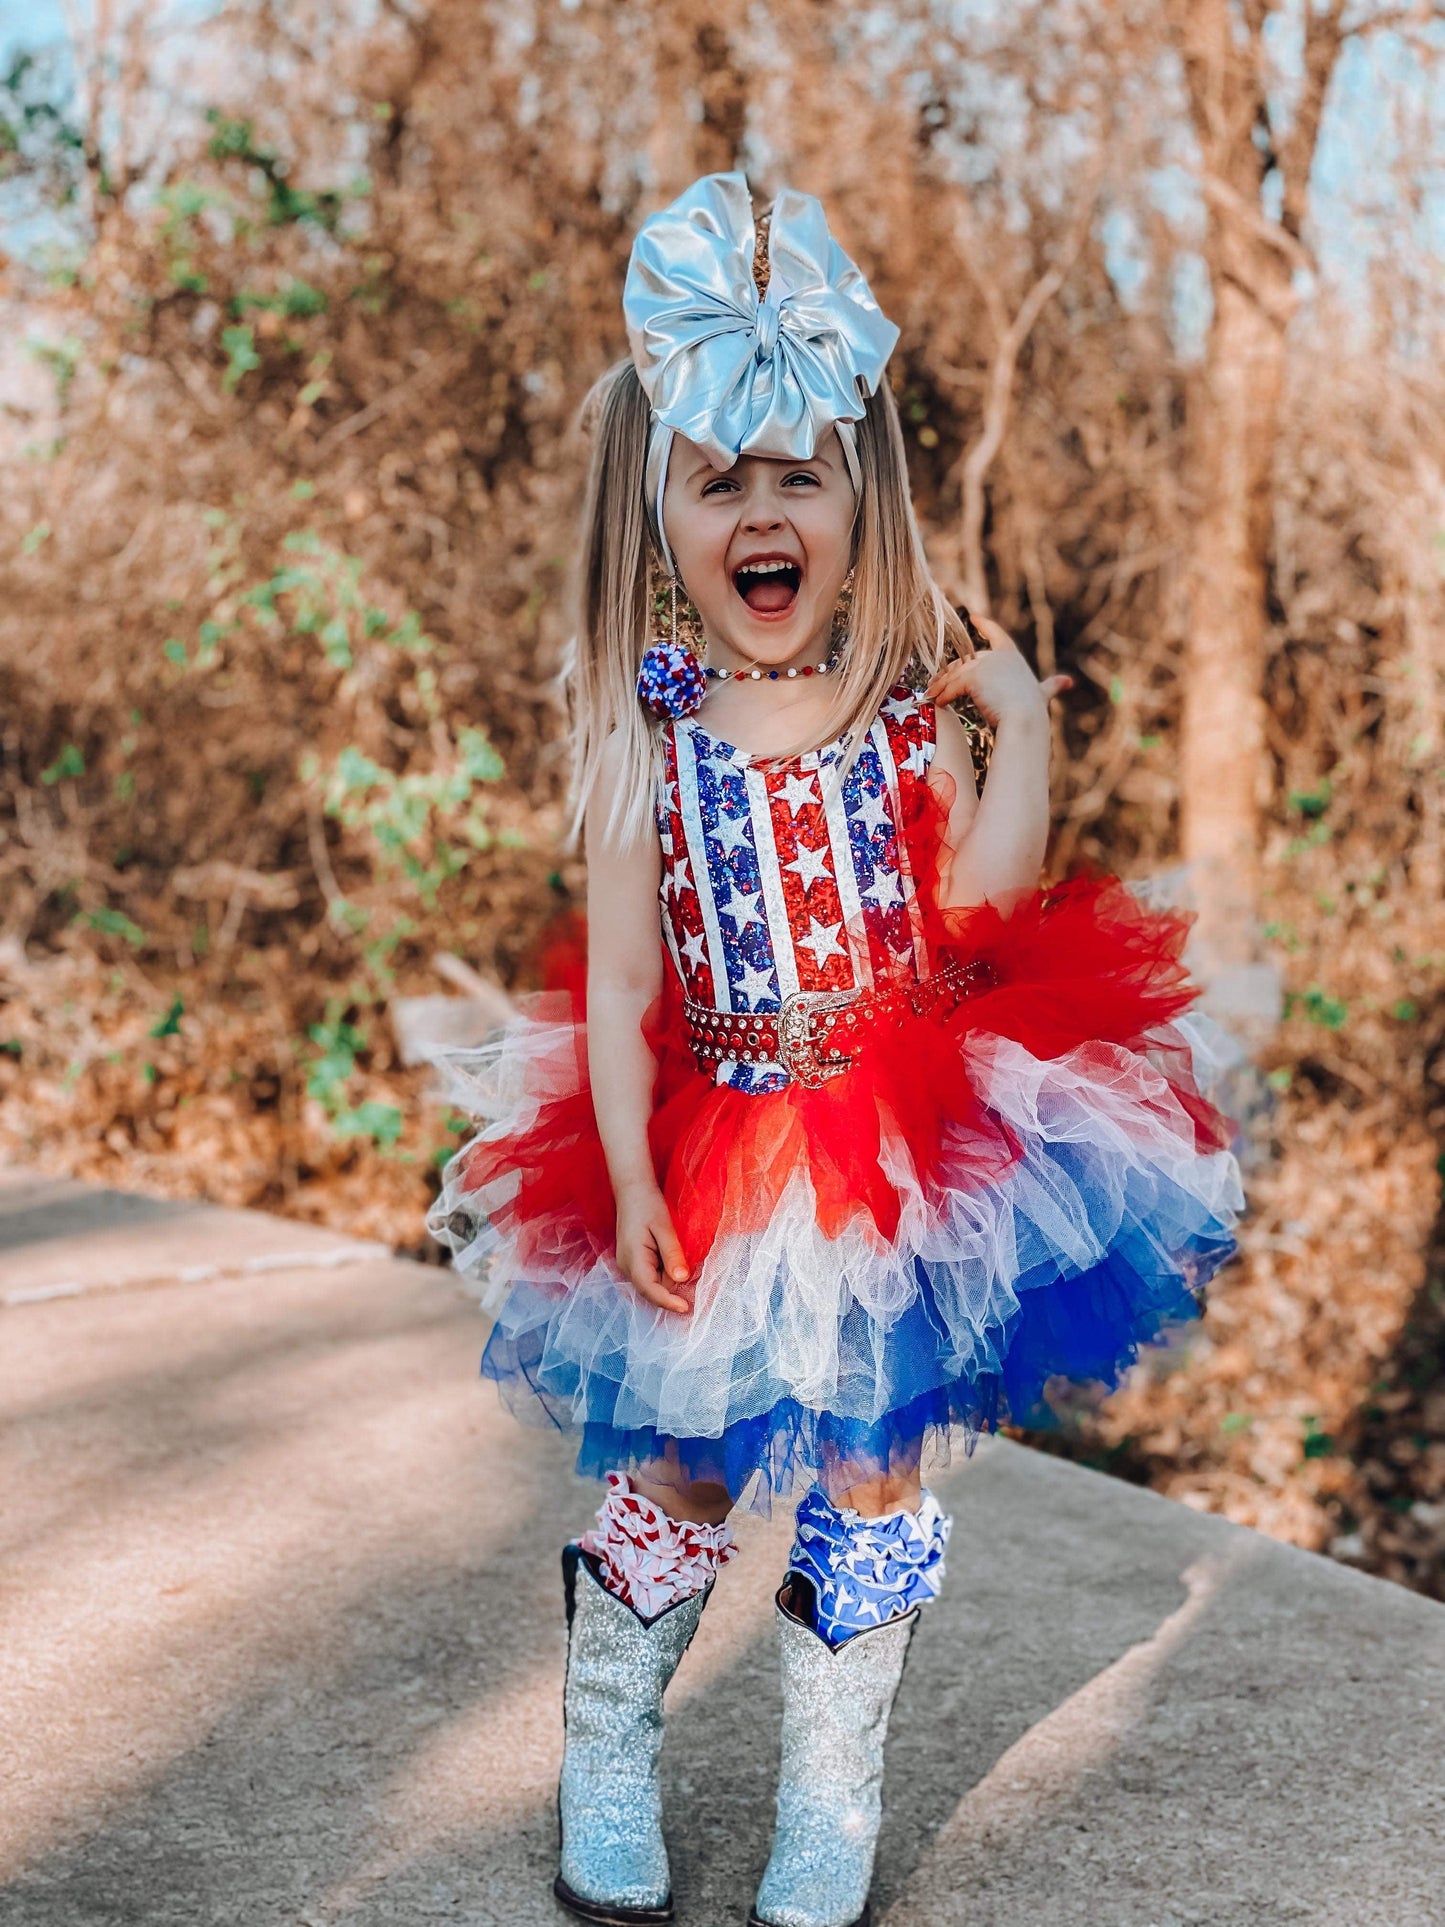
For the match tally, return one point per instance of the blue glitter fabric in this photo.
(774, 884)
(670, 681)
(865, 1572)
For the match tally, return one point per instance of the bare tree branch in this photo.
(998, 396)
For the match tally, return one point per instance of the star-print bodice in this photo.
(772, 884)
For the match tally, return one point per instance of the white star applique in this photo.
(669, 797)
(822, 940)
(678, 877)
(694, 956)
(743, 910)
(732, 832)
(900, 706)
(885, 889)
(799, 790)
(872, 811)
(918, 758)
(810, 865)
(754, 984)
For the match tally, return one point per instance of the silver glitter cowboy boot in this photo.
(846, 1614)
(836, 1703)
(614, 1863)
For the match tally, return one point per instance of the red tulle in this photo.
(1076, 962)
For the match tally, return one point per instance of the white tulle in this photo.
(1106, 1148)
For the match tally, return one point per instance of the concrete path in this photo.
(280, 1640)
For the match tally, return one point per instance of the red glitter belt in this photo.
(811, 1034)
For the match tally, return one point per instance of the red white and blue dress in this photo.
(923, 1161)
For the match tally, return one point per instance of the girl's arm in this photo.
(999, 838)
(624, 977)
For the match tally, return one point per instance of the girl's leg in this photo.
(703, 1501)
(660, 1536)
(636, 1585)
(862, 1563)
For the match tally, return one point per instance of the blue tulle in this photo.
(1088, 1327)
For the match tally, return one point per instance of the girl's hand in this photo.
(998, 681)
(648, 1252)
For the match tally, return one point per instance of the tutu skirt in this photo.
(1029, 1188)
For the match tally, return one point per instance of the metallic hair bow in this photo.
(736, 372)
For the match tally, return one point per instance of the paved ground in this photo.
(280, 1641)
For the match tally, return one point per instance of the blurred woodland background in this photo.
(301, 302)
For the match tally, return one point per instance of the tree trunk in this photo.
(1222, 763)
(1251, 260)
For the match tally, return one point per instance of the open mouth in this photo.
(769, 585)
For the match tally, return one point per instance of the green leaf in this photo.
(213, 634)
(480, 761)
(37, 536)
(170, 1024)
(1320, 1007)
(240, 345)
(336, 642)
(115, 923)
(1313, 802)
(408, 634)
(300, 301)
(382, 1122)
(1405, 1011)
(355, 771)
(69, 762)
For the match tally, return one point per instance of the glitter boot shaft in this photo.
(614, 1863)
(836, 1705)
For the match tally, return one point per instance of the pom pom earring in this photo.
(670, 678)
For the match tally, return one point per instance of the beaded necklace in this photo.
(771, 675)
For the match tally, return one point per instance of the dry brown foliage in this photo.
(393, 375)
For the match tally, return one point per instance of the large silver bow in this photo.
(733, 372)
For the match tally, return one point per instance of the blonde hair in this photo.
(900, 625)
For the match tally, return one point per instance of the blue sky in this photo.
(29, 23)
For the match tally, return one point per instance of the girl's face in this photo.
(763, 547)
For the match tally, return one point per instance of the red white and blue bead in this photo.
(769, 675)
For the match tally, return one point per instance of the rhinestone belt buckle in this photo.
(799, 1037)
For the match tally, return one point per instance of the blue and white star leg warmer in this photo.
(865, 1572)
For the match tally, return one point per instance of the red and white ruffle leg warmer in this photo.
(648, 1559)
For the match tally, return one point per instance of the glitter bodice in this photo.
(771, 884)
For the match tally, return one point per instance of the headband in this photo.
(738, 372)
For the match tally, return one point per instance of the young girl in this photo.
(860, 1136)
